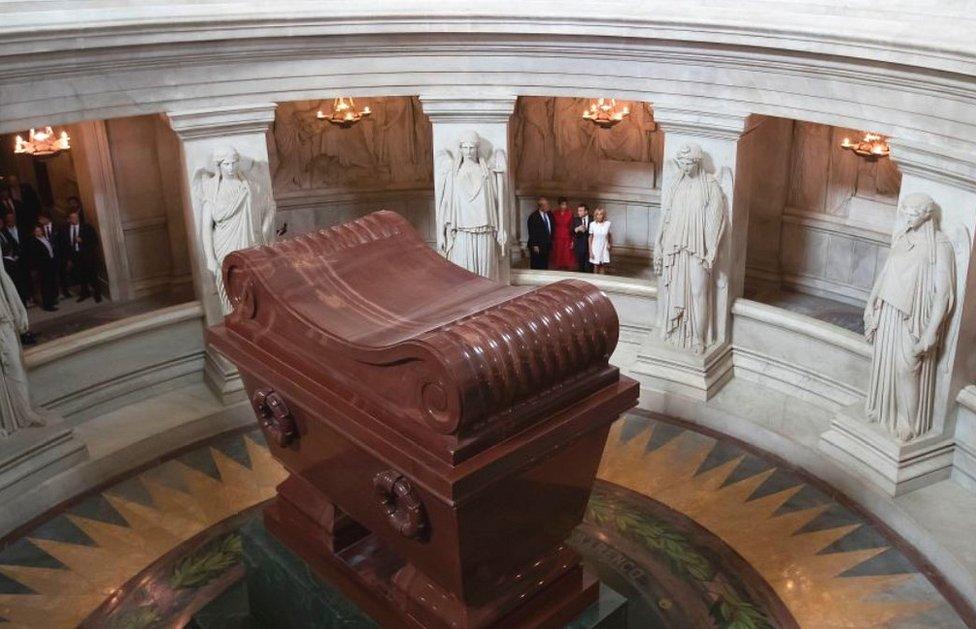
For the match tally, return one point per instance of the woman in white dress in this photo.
(600, 241)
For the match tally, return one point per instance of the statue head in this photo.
(689, 158)
(468, 145)
(914, 210)
(226, 161)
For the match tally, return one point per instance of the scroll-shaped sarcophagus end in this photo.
(458, 420)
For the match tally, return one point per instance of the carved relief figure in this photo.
(393, 145)
(692, 224)
(904, 320)
(16, 411)
(236, 210)
(470, 206)
(534, 136)
(554, 143)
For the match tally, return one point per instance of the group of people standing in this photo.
(41, 257)
(562, 239)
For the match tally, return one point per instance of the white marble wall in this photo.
(823, 256)
(826, 227)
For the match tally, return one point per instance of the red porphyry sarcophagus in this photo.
(442, 431)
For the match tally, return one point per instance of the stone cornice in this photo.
(473, 107)
(222, 121)
(938, 164)
(705, 124)
(934, 36)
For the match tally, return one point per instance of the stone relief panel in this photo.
(390, 148)
(553, 145)
(827, 179)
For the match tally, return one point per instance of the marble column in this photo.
(201, 132)
(867, 447)
(725, 149)
(451, 116)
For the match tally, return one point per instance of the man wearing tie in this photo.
(581, 238)
(58, 241)
(540, 235)
(81, 245)
(46, 264)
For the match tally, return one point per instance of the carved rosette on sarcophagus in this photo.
(442, 431)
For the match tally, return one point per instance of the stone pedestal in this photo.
(661, 367)
(243, 128)
(284, 591)
(32, 455)
(896, 468)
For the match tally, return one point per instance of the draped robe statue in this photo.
(15, 406)
(236, 213)
(905, 318)
(692, 224)
(471, 207)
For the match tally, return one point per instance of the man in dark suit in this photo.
(16, 239)
(81, 244)
(45, 263)
(56, 237)
(581, 238)
(540, 235)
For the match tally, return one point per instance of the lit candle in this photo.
(366, 111)
(63, 142)
(19, 145)
(846, 143)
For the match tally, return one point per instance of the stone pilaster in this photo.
(723, 139)
(243, 127)
(869, 449)
(488, 115)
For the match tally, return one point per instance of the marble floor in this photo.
(695, 531)
(73, 316)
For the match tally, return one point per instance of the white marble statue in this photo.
(905, 319)
(471, 206)
(16, 411)
(236, 211)
(693, 220)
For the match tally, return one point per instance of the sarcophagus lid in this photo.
(443, 357)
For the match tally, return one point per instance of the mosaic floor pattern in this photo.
(695, 531)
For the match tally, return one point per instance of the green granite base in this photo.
(281, 591)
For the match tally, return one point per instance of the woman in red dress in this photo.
(562, 257)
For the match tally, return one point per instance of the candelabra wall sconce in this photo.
(344, 113)
(871, 147)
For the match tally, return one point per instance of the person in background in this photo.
(81, 244)
(581, 238)
(25, 194)
(21, 275)
(562, 237)
(540, 235)
(600, 241)
(56, 237)
(46, 265)
(74, 205)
